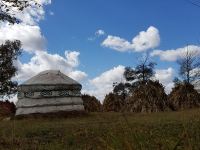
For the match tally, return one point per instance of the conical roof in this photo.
(50, 77)
(49, 80)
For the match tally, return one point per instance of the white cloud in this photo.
(166, 76)
(28, 32)
(146, 39)
(30, 36)
(100, 32)
(44, 61)
(175, 54)
(103, 84)
(117, 43)
(143, 41)
(77, 75)
(72, 57)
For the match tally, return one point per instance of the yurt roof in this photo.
(50, 79)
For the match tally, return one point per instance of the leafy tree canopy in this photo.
(8, 54)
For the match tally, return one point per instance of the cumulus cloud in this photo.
(28, 32)
(30, 36)
(143, 41)
(166, 76)
(175, 54)
(44, 61)
(117, 43)
(77, 75)
(103, 84)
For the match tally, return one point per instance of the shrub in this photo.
(7, 108)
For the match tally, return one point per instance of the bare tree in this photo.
(190, 66)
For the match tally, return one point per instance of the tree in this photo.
(8, 53)
(121, 89)
(189, 66)
(142, 73)
(10, 7)
(184, 95)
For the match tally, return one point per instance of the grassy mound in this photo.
(163, 130)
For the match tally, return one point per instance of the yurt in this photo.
(49, 92)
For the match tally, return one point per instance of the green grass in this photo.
(167, 130)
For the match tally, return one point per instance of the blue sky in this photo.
(63, 35)
(75, 21)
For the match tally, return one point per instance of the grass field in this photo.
(167, 130)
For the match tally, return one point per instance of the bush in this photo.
(183, 96)
(7, 108)
(147, 97)
(91, 103)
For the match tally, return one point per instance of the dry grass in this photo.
(164, 130)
